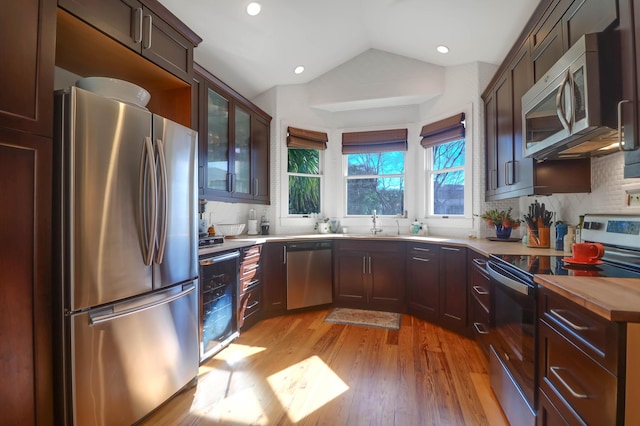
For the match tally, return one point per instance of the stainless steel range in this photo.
(513, 324)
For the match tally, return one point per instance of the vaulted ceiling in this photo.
(254, 53)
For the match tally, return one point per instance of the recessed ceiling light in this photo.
(442, 49)
(253, 8)
(299, 69)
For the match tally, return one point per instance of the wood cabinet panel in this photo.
(548, 52)
(275, 278)
(586, 387)
(587, 16)
(453, 294)
(234, 144)
(27, 29)
(140, 29)
(629, 30)
(423, 281)
(26, 397)
(369, 275)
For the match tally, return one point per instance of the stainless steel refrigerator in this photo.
(125, 226)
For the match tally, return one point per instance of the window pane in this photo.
(448, 193)
(379, 163)
(386, 195)
(304, 194)
(243, 151)
(305, 161)
(449, 155)
(217, 141)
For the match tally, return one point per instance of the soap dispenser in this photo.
(415, 228)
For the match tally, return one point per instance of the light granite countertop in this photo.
(615, 299)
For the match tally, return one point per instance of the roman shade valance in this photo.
(443, 131)
(309, 139)
(374, 141)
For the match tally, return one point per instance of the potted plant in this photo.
(502, 221)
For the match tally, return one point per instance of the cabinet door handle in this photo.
(147, 44)
(557, 314)
(481, 291)
(506, 173)
(253, 305)
(284, 255)
(450, 248)
(421, 249)
(369, 265)
(256, 192)
(555, 371)
(480, 328)
(364, 265)
(421, 259)
(137, 29)
(620, 141)
(493, 179)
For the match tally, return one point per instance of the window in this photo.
(375, 171)
(375, 181)
(446, 163)
(446, 178)
(303, 170)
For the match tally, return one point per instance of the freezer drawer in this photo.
(130, 357)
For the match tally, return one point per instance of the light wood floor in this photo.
(298, 369)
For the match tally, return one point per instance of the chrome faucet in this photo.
(375, 229)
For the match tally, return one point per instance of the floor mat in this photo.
(361, 317)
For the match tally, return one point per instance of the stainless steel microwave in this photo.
(571, 111)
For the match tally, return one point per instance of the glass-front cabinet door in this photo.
(234, 135)
(217, 177)
(242, 152)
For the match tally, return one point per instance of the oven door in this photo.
(513, 327)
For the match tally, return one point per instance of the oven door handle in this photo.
(518, 286)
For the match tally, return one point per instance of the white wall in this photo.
(461, 87)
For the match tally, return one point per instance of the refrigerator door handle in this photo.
(109, 314)
(148, 206)
(162, 201)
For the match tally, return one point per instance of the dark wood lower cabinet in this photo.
(423, 281)
(274, 257)
(369, 275)
(251, 283)
(26, 393)
(453, 289)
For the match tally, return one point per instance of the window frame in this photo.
(287, 174)
(465, 218)
(346, 178)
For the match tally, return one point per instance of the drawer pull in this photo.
(421, 259)
(557, 314)
(480, 262)
(253, 305)
(450, 248)
(481, 291)
(555, 372)
(421, 249)
(480, 328)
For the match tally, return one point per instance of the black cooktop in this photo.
(554, 265)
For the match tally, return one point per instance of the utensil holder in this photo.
(539, 238)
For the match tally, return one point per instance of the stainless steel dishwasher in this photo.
(309, 277)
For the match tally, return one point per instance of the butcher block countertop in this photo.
(615, 299)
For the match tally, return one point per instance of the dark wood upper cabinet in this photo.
(553, 28)
(27, 28)
(629, 30)
(234, 144)
(26, 75)
(142, 27)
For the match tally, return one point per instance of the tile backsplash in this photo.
(607, 195)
